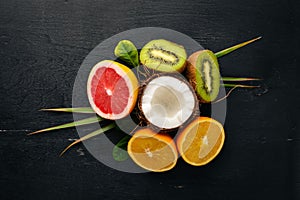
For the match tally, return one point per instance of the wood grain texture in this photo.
(43, 43)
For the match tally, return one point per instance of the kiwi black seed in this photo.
(163, 55)
(204, 75)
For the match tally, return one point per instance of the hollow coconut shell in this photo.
(207, 88)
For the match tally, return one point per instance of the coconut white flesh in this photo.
(167, 102)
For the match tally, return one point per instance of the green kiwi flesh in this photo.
(163, 55)
(204, 75)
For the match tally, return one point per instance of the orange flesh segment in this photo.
(152, 153)
(202, 142)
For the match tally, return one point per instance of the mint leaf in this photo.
(127, 52)
(119, 151)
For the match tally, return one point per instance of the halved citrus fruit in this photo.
(201, 141)
(152, 151)
(112, 89)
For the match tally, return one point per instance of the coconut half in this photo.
(168, 101)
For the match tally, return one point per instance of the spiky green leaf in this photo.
(235, 47)
(71, 124)
(73, 110)
(236, 79)
(88, 136)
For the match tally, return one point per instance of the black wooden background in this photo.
(43, 43)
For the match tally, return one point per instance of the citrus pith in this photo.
(152, 151)
(112, 89)
(201, 141)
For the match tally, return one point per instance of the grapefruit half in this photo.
(112, 89)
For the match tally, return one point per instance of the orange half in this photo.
(201, 141)
(152, 151)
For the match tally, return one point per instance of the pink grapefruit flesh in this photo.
(112, 89)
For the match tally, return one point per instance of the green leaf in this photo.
(235, 47)
(239, 85)
(119, 150)
(71, 124)
(73, 110)
(88, 136)
(239, 79)
(127, 52)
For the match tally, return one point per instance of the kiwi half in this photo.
(163, 55)
(204, 75)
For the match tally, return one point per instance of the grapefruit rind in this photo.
(130, 80)
(185, 132)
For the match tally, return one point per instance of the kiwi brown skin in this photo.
(191, 68)
(191, 71)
